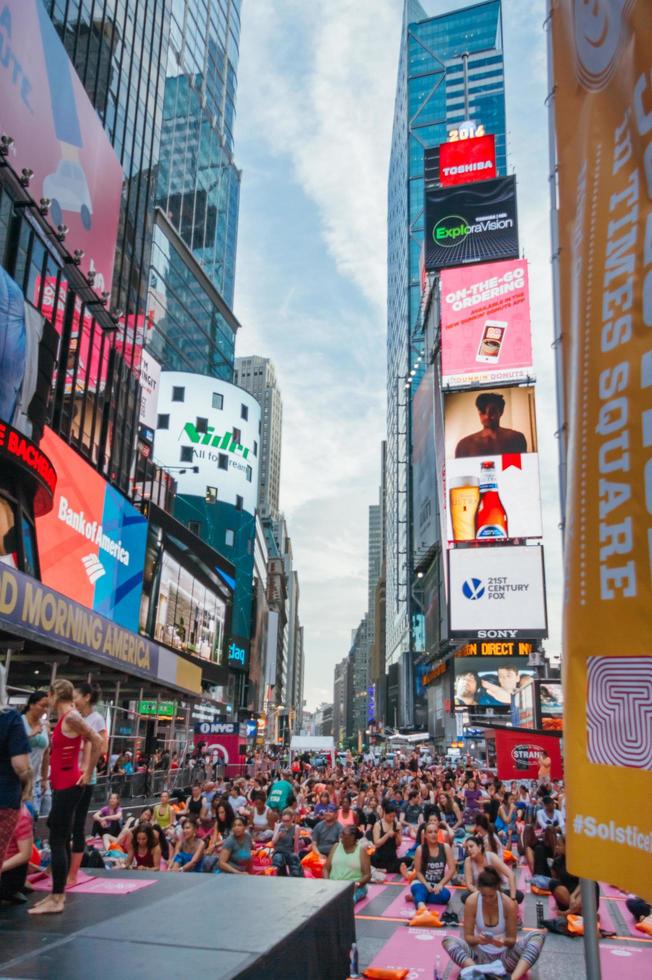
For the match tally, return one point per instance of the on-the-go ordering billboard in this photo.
(486, 336)
(471, 223)
(92, 543)
(497, 592)
(58, 136)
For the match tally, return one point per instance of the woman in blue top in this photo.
(189, 852)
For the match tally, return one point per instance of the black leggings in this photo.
(12, 881)
(60, 821)
(79, 820)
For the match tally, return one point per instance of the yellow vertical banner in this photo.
(602, 70)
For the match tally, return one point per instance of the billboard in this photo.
(59, 137)
(497, 422)
(603, 118)
(497, 592)
(150, 379)
(208, 433)
(92, 543)
(471, 223)
(482, 683)
(465, 161)
(425, 531)
(478, 484)
(518, 756)
(486, 334)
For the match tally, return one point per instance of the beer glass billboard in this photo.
(486, 336)
(492, 467)
(471, 223)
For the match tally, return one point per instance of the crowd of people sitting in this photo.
(436, 825)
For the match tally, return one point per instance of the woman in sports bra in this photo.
(144, 853)
(68, 782)
(490, 933)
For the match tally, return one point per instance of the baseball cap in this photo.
(331, 808)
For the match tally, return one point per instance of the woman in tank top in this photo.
(477, 860)
(434, 865)
(37, 730)
(86, 697)
(490, 932)
(68, 782)
(144, 853)
(349, 861)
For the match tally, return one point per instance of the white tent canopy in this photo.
(312, 743)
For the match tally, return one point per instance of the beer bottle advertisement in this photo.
(493, 498)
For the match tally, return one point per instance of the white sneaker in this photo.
(496, 967)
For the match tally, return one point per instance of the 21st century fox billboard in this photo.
(471, 223)
(92, 543)
(486, 336)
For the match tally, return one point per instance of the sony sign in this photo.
(497, 593)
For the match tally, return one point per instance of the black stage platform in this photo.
(214, 926)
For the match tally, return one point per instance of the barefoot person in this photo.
(490, 933)
(85, 698)
(68, 782)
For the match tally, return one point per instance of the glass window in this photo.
(211, 495)
(237, 435)
(250, 474)
(194, 527)
(255, 448)
(239, 502)
(222, 461)
(178, 394)
(244, 412)
(163, 422)
(186, 454)
(201, 424)
(229, 538)
(218, 400)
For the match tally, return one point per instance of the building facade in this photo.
(450, 70)
(341, 701)
(258, 376)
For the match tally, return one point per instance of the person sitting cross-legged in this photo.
(349, 861)
(434, 864)
(490, 933)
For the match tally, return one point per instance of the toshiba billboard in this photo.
(92, 543)
(464, 161)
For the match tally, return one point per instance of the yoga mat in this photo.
(113, 886)
(42, 882)
(611, 921)
(399, 908)
(610, 891)
(373, 891)
(415, 950)
(625, 961)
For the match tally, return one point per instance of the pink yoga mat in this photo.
(373, 891)
(43, 882)
(625, 961)
(415, 950)
(113, 886)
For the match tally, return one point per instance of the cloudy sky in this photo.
(314, 115)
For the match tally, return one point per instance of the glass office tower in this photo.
(450, 70)
(198, 182)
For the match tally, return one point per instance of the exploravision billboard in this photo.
(471, 223)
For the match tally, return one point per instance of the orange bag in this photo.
(427, 920)
(508, 857)
(575, 925)
(379, 973)
(645, 926)
(315, 863)
(539, 891)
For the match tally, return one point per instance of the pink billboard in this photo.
(485, 324)
(58, 136)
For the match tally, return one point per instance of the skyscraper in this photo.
(257, 376)
(450, 69)
(373, 573)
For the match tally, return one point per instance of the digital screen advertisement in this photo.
(58, 135)
(92, 543)
(486, 335)
(465, 161)
(496, 422)
(189, 616)
(471, 223)
(485, 489)
(489, 683)
(425, 531)
(497, 592)
(518, 756)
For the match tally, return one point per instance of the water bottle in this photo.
(354, 961)
(46, 856)
(438, 975)
(539, 915)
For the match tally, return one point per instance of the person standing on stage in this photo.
(68, 782)
(85, 698)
